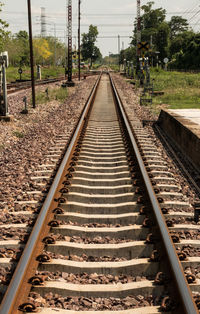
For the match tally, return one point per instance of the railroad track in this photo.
(18, 86)
(109, 236)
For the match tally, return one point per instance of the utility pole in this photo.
(31, 53)
(138, 35)
(119, 50)
(79, 40)
(55, 44)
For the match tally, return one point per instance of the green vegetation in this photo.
(18, 134)
(3, 27)
(47, 51)
(88, 48)
(181, 90)
(47, 72)
(114, 67)
(2, 146)
(173, 39)
(59, 94)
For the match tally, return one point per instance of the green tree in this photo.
(18, 48)
(3, 32)
(162, 40)
(154, 30)
(177, 26)
(129, 54)
(58, 51)
(23, 41)
(151, 19)
(179, 42)
(88, 48)
(187, 56)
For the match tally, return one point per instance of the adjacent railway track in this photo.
(18, 86)
(109, 235)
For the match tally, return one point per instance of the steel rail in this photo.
(20, 272)
(27, 84)
(183, 287)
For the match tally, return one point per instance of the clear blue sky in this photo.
(119, 13)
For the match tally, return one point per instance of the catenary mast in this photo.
(69, 40)
(138, 34)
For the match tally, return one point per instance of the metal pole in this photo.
(119, 50)
(138, 35)
(69, 41)
(5, 89)
(79, 40)
(55, 44)
(31, 53)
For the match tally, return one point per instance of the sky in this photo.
(112, 18)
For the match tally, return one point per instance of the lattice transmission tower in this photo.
(43, 22)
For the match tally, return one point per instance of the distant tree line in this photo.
(173, 39)
(47, 51)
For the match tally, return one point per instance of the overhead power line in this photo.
(92, 14)
(196, 14)
(189, 10)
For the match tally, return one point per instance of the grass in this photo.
(181, 90)
(2, 146)
(47, 72)
(18, 134)
(59, 94)
(114, 67)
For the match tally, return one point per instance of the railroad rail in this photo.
(103, 236)
(18, 86)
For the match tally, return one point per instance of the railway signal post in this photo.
(124, 66)
(3, 95)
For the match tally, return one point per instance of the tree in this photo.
(152, 18)
(23, 41)
(18, 48)
(88, 48)
(179, 42)
(162, 40)
(96, 54)
(177, 26)
(58, 51)
(129, 54)
(187, 55)
(150, 22)
(41, 50)
(3, 32)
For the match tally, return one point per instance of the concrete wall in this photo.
(185, 134)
